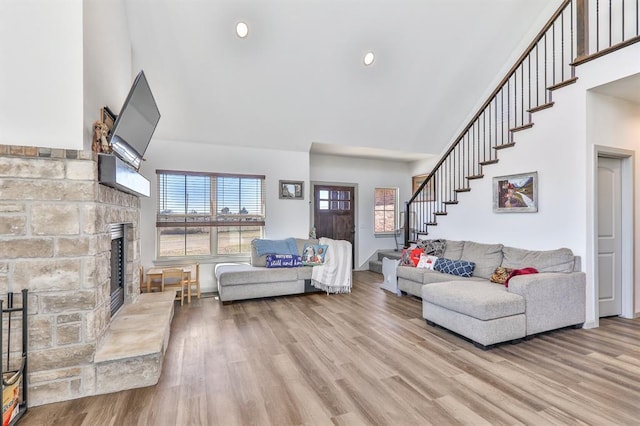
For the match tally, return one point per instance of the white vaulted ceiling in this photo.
(298, 78)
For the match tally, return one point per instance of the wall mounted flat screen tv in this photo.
(136, 123)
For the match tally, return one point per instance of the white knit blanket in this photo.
(334, 275)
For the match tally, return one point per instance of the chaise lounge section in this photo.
(238, 281)
(489, 313)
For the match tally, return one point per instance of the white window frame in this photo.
(396, 211)
(214, 219)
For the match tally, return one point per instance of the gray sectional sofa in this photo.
(238, 281)
(488, 313)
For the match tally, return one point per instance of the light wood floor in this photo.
(367, 358)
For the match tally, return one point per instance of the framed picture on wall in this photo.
(291, 189)
(516, 193)
(429, 194)
(107, 117)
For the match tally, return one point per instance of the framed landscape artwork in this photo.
(291, 189)
(516, 193)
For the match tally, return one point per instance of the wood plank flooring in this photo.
(367, 358)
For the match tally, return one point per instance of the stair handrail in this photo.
(494, 93)
(484, 106)
(578, 51)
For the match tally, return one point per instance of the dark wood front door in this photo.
(334, 208)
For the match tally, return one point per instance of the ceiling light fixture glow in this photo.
(242, 29)
(369, 57)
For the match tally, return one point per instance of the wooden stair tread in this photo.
(487, 162)
(541, 107)
(563, 83)
(475, 177)
(440, 213)
(523, 127)
(505, 145)
(462, 190)
(450, 202)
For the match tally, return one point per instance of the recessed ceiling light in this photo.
(369, 57)
(242, 29)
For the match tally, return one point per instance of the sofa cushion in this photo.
(487, 257)
(559, 260)
(461, 268)
(255, 259)
(411, 273)
(239, 274)
(478, 299)
(427, 276)
(439, 277)
(453, 249)
(304, 272)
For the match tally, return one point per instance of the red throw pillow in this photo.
(523, 271)
(415, 256)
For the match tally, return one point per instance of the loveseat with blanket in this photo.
(491, 293)
(286, 267)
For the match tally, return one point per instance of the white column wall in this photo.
(41, 73)
(107, 60)
(366, 175)
(285, 218)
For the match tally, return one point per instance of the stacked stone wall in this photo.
(55, 242)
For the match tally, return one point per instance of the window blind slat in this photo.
(187, 198)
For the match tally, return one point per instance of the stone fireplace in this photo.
(55, 240)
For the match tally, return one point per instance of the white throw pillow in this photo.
(426, 261)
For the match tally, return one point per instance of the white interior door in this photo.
(609, 236)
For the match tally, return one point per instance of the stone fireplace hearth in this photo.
(55, 241)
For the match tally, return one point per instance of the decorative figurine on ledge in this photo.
(100, 143)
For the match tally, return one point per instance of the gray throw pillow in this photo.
(433, 247)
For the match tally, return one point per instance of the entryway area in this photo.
(334, 213)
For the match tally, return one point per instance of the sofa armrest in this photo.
(552, 299)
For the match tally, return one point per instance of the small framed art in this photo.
(107, 117)
(429, 188)
(291, 189)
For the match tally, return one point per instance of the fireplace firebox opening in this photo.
(118, 257)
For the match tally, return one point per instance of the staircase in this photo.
(579, 31)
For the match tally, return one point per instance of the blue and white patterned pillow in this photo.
(461, 268)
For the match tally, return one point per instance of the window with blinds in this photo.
(208, 214)
(385, 211)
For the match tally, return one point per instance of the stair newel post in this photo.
(407, 207)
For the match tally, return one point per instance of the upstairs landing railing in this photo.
(579, 31)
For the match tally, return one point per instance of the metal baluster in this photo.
(597, 25)
(610, 24)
